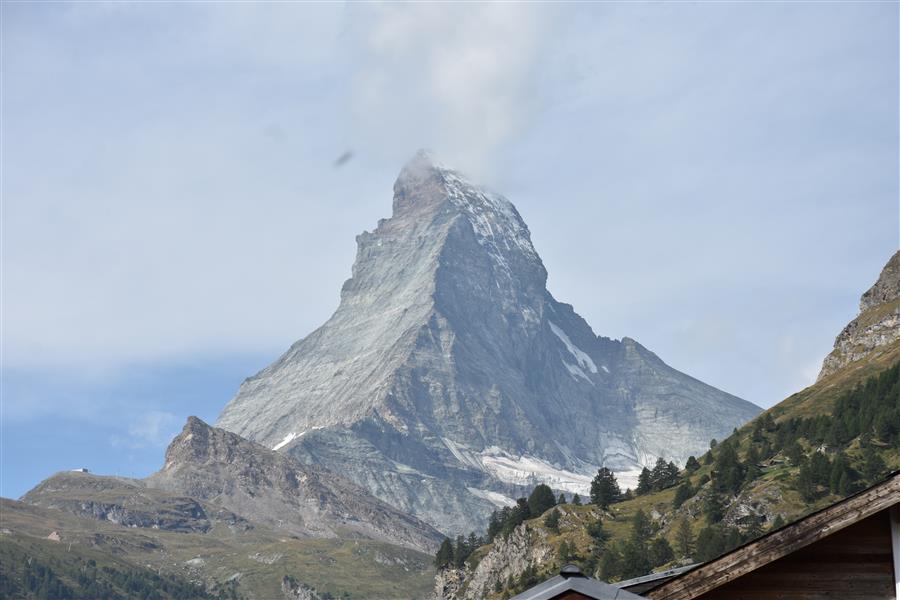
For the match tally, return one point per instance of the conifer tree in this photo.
(641, 528)
(684, 539)
(645, 482)
(551, 521)
(605, 489)
(691, 465)
(683, 492)
(541, 499)
(444, 556)
(660, 552)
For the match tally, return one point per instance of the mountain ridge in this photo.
(449, 376)
(877, 324)
(220, 467)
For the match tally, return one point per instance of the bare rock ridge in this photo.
(449, 378)
(130, 503)
(268, 487)
(877, 325)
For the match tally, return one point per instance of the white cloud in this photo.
(456, 78)
(168, 190)
(153, 428)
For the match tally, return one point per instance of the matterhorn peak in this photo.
(449, 378)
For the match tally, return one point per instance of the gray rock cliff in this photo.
(268, 487)
(877, 325)
(449, 379)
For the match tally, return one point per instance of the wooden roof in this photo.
(572, 583)
(781, 542)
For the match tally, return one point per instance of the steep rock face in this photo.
(508, 558)
(269, 487)
(877, 325)
(129, 503)
(449, 378)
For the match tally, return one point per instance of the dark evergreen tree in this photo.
(565, 552)
(682, 494)
(541, 499)
(660, 552)
(873, 465)
(710, 543)
(551, 521)
(752, 470)
(728, 472)
(641, 528)
(635, 561)
(576, 500)
(605, 488)
(794, 452)
(645, 482)
(691, 465)
(713, 508)
(460, 551)
(684, 539)
(663, 475)
(597, 534)
(444, 556)
(611, 564)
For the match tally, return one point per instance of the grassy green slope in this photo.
(257, 559)
(773, 492)
(34, 569)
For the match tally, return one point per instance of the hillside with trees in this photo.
(777, 468)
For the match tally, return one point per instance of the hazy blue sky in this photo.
(716, 180)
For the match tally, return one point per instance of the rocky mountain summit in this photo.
(449, 377)
(268, 487)
(878, 323)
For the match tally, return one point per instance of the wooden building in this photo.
(847, 551)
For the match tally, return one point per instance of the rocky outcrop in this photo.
(272, 488)
(449, 378)
(877, 325)
(295, 590)
(129, 503)
(526, 546)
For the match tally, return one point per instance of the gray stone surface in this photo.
(130, 503)
(449, 379)
(877, 325)
(272, 488)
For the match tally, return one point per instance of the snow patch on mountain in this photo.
(577, 372)
(495, 498)
(293, 436)
(580, 355)
(529, 470)
(287, 440)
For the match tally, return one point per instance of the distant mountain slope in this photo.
(449, 378)
(257, 563)
(38, 569)
(819, 445)
(268, 487)
(130, 503)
